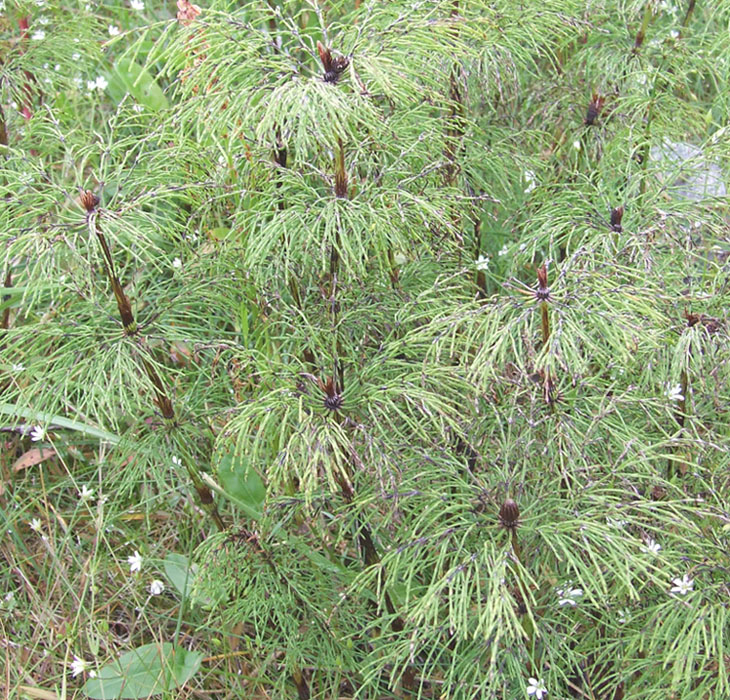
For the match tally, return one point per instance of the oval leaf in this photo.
(148, 670)
(130, 77)
(242, 484)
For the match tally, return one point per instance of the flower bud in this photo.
(89, 200)
(616, 215)
(509, 514)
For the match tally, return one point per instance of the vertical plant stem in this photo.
(543, 295)
(162, 399)
(364, 536)
(3, 128)
(690, 10)
(5, 320)
(455, 118)
(645, 20)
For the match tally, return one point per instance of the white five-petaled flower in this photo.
(569, 596)
(652, 546)
(674, 393)
(114, 31)
(156, 587)
(86, 493)
(682, 585)
(530, 181)
(78, 666)
(99, 83)
(177, 263)
(40, 35)
(136, 4)
(35, 524)
(536, 687)
(20, 367)
(135, 561)
(482, 262)
(37, 434)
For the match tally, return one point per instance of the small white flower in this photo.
(503, 250)
(91, 85)
(137, 5)
(652, 546)
(569, 596)
(137, 108)
(86, 493)
(78, 82)
(101, 82)
(530, 181)
(35, 524)
(576, 145)
(682, 585)
(44, 21)
(674, 393)
(114, 31)
(623, 615)
(618, 524)
(482, 262)
(135, 562)
(37, 434)
(40, 35)
(177, 263)
(674, 33)
(57, 67)
(156, 587)
(523, 246)
(536, 687)
(177, 461)
(78, 666)
(9, 596)
(20, 367)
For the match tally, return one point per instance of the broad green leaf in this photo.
(129, 77)
(180, 573)
(147, 670)
(242, 484)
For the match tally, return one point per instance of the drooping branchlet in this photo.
(333, 67)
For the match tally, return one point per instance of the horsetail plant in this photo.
(384, 272)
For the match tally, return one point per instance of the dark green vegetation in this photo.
(393, 336)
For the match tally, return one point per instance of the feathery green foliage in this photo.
(405, 322)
